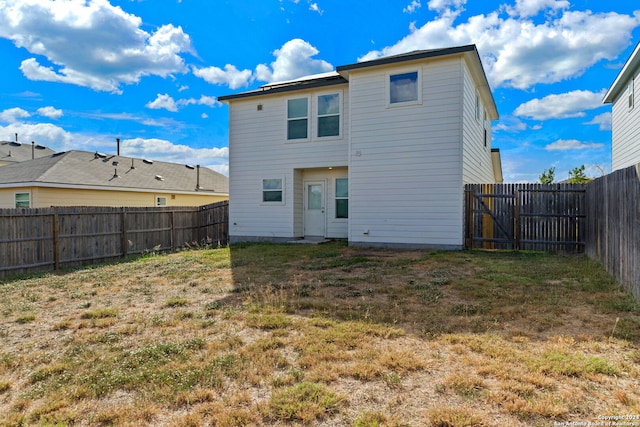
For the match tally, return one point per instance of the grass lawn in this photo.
(322, 335)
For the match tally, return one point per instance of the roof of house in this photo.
(627, 72)
(341, 75)
(83, 169)
(12, 152)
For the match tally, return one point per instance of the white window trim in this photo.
(15, 197)
(478, 108)
(388, 88)
(335, 197)
(309, 119)
(631, 93)
(316, 116)
(284, 192)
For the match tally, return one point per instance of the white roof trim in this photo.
(620, 82)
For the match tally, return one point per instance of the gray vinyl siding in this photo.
(625, 132)
(258, 150)
(476, 157)
(405, 161)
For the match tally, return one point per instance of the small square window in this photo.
(161, 201)
(272, 191)
(23, 200)
(403, 87)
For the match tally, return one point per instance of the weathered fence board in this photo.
(53, 238)
(613, 230)
(525, 216)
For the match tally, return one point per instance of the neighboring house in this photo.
(377, 152)
(625, 114)
(81, 178)
(13, 152)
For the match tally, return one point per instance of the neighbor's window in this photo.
(403, 87)
(630, 93)
(272, 190)
(329, 115)
(297, 118)
(23, 200)
(342, 198)
(161, 201)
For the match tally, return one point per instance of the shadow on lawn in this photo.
(429, 293)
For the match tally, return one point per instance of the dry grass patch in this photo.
(262, 334)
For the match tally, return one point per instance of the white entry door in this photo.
(314, 208)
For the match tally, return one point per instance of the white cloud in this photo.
(209, 101)
(46, 134)
(230, 76)
(519, 52)
(602, 120)
(562, 106)
(162, 150)
(12, 115)
(443, 5)
(529, 8)
(412, 7)
(294, 59)
(510, 124)
(163, 101)
(50, 112)
(109, 46)
(571, 144)
(315, 8)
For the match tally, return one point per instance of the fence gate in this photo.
(525, 217)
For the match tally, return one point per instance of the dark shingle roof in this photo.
(87, 169)
(15, 152)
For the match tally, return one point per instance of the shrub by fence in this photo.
(59, 237)
(613, 227)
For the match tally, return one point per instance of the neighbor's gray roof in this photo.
(16, 152)
(626, 73)
(75, 169)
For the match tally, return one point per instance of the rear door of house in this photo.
(314, 208)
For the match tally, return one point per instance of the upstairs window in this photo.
(23, 200)
(403, 88)
(272, 191)
(478, 106)
(297, 118)
(329, 115)
(630, 93)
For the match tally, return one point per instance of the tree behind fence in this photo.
(53, 238)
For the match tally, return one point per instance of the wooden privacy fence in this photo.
(525, 216)
(58, 237)
(613, 231)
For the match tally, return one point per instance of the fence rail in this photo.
(59, 237)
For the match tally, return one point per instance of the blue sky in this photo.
(78, 74)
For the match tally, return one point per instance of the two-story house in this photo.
(377, 152)
(625, 115)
